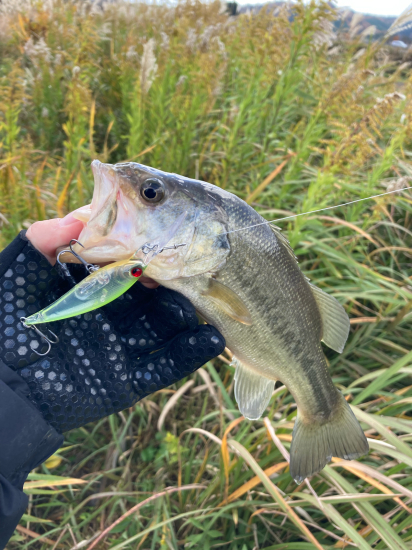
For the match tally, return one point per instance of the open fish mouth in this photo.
(135, 204)
(111, 229)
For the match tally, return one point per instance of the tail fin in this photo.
(314, 443)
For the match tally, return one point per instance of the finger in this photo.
(148, 282)
(182, 356)
(148, 319)
(194, 348)
(48, 235)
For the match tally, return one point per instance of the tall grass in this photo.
(290, 113)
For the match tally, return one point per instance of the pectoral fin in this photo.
(252, 391)
(228, 301)
(335, 320)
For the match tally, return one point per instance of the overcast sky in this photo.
(377, 7)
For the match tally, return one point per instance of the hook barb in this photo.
(91, 268)
(43, 336)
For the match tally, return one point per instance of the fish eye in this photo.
(152, 190)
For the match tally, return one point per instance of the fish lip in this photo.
(105, 185)
(96, 164)
(98, 253)
(108, 242)
(99, 246)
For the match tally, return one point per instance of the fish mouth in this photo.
(111, 229)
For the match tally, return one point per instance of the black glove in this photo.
(105, 360)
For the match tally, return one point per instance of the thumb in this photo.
(48, 235)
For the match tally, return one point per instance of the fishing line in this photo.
(314, 211)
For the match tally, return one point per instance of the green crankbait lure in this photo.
(103, 285)
(96, 290)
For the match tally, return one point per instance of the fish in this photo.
(242, 276)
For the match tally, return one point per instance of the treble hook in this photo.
(91, 268)
(62, 265)
(39, 332)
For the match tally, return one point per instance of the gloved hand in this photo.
(105, 360)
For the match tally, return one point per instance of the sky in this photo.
(377, 7)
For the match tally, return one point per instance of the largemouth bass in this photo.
(247, 283)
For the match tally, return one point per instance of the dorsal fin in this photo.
(335, 320)
(283, 240)
(228, 301)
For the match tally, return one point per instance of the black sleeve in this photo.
(26, 439)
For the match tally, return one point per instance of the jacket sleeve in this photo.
(26, 439)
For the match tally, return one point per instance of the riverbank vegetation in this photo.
(292, 112)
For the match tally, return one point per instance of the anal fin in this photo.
(252, 391)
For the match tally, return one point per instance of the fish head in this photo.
(134, 205)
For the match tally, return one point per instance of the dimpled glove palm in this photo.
(106, 359)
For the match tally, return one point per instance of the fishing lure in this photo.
(100, 288)
(96, 290)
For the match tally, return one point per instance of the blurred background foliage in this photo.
(291, 111)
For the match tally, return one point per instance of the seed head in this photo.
(148, 66)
